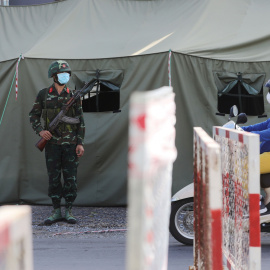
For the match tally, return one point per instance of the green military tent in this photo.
(216, 53)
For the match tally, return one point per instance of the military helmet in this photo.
(57, 67)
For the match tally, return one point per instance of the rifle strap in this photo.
(45, 118)
(45, 98)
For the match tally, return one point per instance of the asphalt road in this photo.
(99, 253)
(107, 252)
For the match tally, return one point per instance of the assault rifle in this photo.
(61, 116)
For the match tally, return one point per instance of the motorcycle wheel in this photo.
(181, 221)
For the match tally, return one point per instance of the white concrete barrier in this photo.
(151, 155)
(16, 251)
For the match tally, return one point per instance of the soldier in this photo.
(64, 147)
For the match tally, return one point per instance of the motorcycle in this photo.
(181, 217)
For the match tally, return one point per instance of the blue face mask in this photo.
(63, 78)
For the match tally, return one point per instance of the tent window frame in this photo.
(104, 95)
(98, 92)
(240, 92)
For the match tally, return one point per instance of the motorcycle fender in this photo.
(184, 193)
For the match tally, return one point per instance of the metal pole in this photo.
(239, 75)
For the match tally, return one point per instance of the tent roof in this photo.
(92, 29)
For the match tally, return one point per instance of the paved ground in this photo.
(106, 251)
(98, 242)
(265, 243)
(88, 219)
(99, 253)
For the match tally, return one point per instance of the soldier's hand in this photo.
(45, 134)
(79, 150)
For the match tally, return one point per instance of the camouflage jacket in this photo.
(70, 134)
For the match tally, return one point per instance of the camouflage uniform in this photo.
(60, 151)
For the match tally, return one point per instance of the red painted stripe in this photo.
(197, 225)
(4, 237)
(141, 121)
(254, 220)
(150, 237)
(241, 138)
(229, 265)
(217, 131)
(227, 134)
(216, 239)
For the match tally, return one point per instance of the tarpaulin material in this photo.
(91, 29)
(131, 41)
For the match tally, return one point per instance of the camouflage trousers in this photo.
(62, 159)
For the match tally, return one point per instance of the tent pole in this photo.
(239, 75)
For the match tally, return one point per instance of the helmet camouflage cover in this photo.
(57, 67)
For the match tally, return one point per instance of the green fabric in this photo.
(62, 160)
(228, 88)
(112, 77)
(225, 81)
(102, 175)
(49, 108)
(96, 29)
(132, 39)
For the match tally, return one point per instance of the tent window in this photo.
(101, 98)
(243, 90)
(104, 92)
